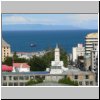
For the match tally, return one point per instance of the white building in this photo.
(78, 51)
(25, 55)
(57, 66)
(90, 39)
(21, 67)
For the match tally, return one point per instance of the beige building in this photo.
(84, 78)
(78, 51)
(15, 79)
(90, 39)
(6, 50)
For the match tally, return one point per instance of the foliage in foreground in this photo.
(68, 81)
(34, 81)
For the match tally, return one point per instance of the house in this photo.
(21, 67)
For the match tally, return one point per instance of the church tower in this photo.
(57, 53)
(56, 65)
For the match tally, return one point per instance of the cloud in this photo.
(79, 20)
(45, 21)
(14, 20)
(83, 18)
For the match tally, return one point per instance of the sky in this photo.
(88, 21)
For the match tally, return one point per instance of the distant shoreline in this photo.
(50, 30)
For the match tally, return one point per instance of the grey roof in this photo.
(4, 43)
(77, 72)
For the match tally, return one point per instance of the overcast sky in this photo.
(79, 20)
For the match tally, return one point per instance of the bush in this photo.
(68, 81)
(34, 81)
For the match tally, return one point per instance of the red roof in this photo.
(23, 65)
(7, 68)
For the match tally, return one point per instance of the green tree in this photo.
(64, 56)
(37, 64)
(68, 81)
(48, 57)
(15, 55)
(17, 59)
(8, 61)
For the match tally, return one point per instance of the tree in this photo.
(8, 61)
(68, 81)
(37, 64)
(48, 57)
(15, 55)
(64, 56)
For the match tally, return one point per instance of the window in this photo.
(21, 84)
(91, 82)
(76, 76)
(4, 58)
(4, 77)
(21, 78)
(10, 84)
(87, 77)
(15, 78)
(10, 77)
(5, 84)
(80, 83)
(15, 84)
(26, 77)
(87, 83)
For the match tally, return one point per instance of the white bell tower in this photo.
(57, 53)
(56, 65)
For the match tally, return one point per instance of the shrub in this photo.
(34, 81)
(68, 81)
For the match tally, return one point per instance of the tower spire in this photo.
(57, 45)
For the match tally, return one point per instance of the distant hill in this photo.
(28, 27)
(38, 27)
